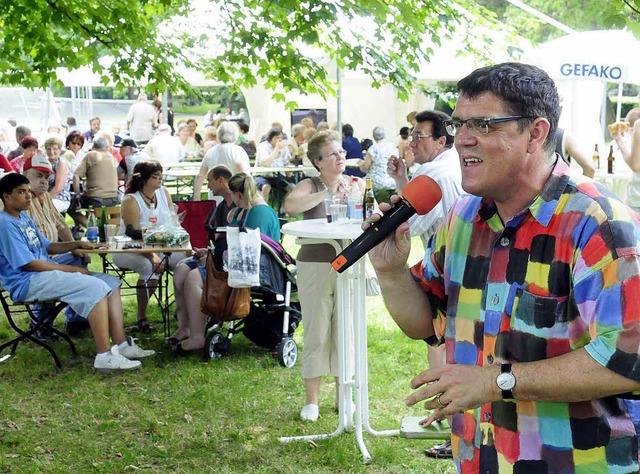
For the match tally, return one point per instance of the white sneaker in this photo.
(134, 351)
(310, 412)
(114, 361)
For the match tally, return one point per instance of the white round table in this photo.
(352, 326)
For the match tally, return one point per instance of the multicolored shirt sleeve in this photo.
(564, 274)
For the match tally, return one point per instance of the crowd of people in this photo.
(526, 294)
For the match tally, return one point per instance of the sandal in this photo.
(144, 326)
(440, 451)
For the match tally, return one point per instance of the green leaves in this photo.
(289, 44)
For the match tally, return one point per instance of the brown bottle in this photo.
(596, 158)
(610, 161)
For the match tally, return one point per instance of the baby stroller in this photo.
(274, 314)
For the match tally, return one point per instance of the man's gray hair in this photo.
(227, 132)
(378, 133)
(100, 143)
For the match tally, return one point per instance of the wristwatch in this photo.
(506, 381)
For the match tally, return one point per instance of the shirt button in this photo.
(487, 416)
(504, 241)
(495, 299)
(490, 358)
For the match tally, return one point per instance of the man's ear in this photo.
(538, 133)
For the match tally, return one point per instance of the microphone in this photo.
(419, 196)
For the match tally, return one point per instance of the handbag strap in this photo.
(243, 224)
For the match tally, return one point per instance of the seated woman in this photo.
(189, 147)
(61, 178)
(190, 335)
(29, 147)
(145, 198)
(272, 153)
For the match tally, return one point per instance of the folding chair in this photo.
(12, 309)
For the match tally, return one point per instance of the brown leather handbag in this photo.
(219, 300)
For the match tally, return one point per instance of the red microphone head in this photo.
(423, 193)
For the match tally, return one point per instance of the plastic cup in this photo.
(110, 231)
(339, 213)
(327, 208)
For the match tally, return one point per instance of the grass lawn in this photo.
(183, 415)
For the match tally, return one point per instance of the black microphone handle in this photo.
(373, 235)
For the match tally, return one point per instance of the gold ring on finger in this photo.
(442, 405)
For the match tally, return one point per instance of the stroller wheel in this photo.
(216, 346)
(287, 352)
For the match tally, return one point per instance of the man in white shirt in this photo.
(433, 149)
(163, 147)
(141, 120)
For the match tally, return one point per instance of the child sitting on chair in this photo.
(28, 274)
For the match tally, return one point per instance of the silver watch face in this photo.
(506, 381)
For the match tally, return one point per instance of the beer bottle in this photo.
(596, 158)
(368, 203)
(610, 161)
(102, 224)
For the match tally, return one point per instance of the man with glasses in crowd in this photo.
(432, 148)
(536, 275)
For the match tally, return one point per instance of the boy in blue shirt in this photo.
(28, 274)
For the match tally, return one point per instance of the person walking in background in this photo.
(375, 165)
(141, 119)
(532, 274)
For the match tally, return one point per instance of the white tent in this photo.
(582, 64)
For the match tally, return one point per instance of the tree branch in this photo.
(92, 34)
(634, 9)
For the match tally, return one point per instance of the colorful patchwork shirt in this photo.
(562, 275)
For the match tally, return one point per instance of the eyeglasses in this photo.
(479, 124)
(417, 137)
(335, 154)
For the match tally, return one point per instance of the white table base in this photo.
(352, 326)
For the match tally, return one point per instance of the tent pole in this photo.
(339, 121)
(619, 107)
